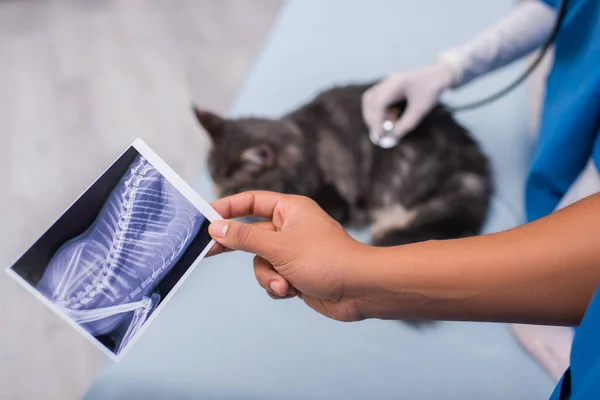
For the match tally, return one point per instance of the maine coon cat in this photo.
(434, 185)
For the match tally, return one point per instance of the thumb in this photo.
(245, 237)
(409, 120)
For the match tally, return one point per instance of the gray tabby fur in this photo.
(434, 185)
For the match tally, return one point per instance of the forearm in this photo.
(541, 273)
(520, 32)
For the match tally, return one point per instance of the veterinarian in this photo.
(544, 272)
(567, 154)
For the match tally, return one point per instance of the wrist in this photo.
(376, 281)
(450, 69)
(404, 282)
(509, 39)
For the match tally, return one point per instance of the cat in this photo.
(435, 185)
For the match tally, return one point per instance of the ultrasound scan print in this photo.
(108, 278)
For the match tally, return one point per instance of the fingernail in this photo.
(274, 286)
(374, 136)
(218, 229)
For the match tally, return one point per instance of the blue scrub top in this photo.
(570, 121)
(582, 379)
(568, 138)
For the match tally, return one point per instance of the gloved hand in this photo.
(421, 89)
(521, 31)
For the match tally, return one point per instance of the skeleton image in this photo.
(106, 278)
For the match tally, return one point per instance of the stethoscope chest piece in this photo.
(387, 140)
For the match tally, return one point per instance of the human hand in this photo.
(300, 250)
(421, 89)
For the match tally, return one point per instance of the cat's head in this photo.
(255, 154)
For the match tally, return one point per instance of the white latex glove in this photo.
(520, 32)
(421, 89)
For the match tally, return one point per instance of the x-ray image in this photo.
(117, 252)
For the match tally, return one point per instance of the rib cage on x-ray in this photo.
(105, 278)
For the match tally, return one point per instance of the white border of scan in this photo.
(189, 194)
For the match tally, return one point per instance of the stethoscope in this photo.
(388, 140)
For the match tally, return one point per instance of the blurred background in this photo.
(79, 81)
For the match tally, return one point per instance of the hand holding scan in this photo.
(300, 251)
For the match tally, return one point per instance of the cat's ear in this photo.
(212, 123)
(262, 155)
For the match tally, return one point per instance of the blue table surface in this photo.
(221, 337)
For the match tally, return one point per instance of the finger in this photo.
(375, 116)
(268, 225)
(218, 248)
(409, 120)
(276, 297)
(253, 203)
(269, 279)
(370, 106)
(237, 235)
(330, 309)
(317, 304)
(376, 107)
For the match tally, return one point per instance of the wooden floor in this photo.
(79, 80)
